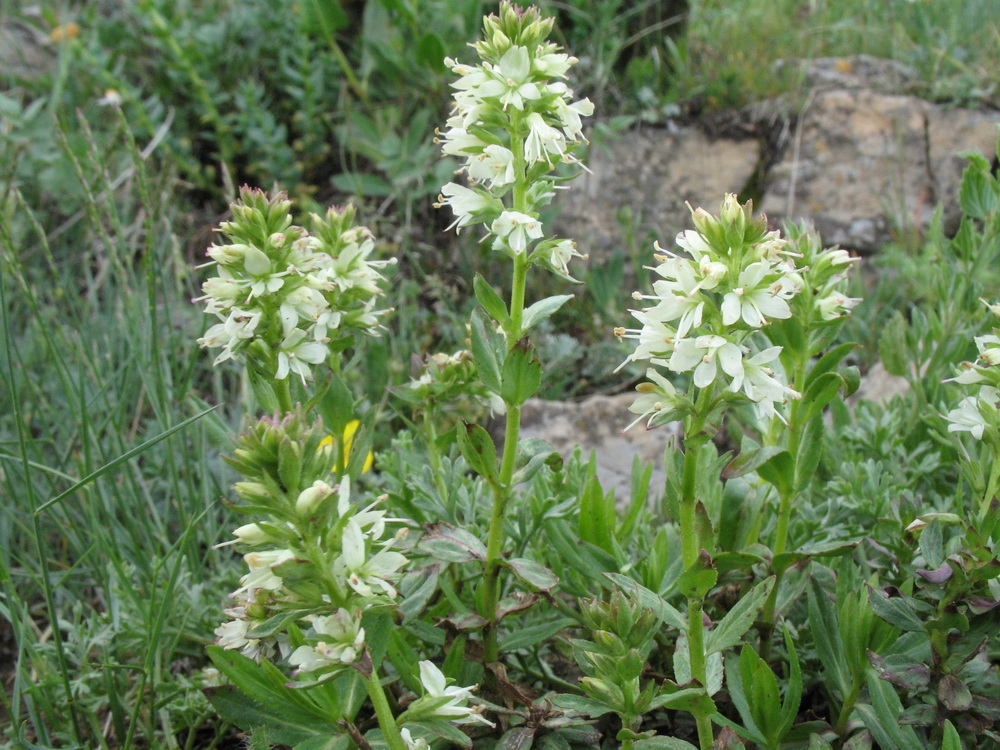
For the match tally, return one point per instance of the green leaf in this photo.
(740, 618)
(825, 627)
(581, 705)
(895, 610)
(522, 374)
(487, 346)
(444, 729)
(662, 743)
(821, 392)
(950, 739)
(728, 561)
(691, 700)
(750, 458)
(478, 450)
(534, 634)
(321, 17)
(334, 742)
(542, 310)
(978, 194)
(698, 579)
(534, 574)
(431, 51)
(445, 542)
(932, 545)
(828, 362)
(793, 691)
(882, 717)
(779, 470)
(495, 307)
(532, 454)
(336, 406)
(597, 515)
(649, 600)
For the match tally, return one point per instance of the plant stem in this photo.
(283, 392)
(385, 718)
(691, 547)
(503, 489)
(991, 485)
(845, 710)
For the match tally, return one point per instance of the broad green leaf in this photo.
(950, 739)
(793, 689)
(542, 310)
(451, 544)
(779, 470)
(978, 194)
(895, 610)
(478, 450)
(751, 457)
(932, 545)
(332, 742)
(740, 618)
(487, 297)
(581, 705)
(828, 362)
(534, 634)
(597, 515)
(286, 724)
(336, 406)
(522, 374)
(487, 346)
(533, 573)
(698, 580)
(662, 743)
(882, 717)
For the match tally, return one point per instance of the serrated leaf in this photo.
(740, 618)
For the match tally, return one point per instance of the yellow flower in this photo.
(349, 430)
(66, 31)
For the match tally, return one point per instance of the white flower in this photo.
(261, 575)
(443, 701)
(836, 305)
(758, 383)
(495, 164)
(512, 74)
(543, 140)
(297, 353)
(364, 574)
(559, 255)
(518, 228)
(656, 339)
(753, 300)
(569, 116)
(658, 397)
(969, 414)
(701, 354)
(412, 744)
(459, 142)
(465, 204)
(341, 642)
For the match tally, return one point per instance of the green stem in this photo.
(991, 486)
(691, 547)
(385, 718)
(283, 392)
(435, 456)
(847, 708)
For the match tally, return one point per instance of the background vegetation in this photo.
(109, 588)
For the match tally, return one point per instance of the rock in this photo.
(880, 386)
(596, 423)
(856, 72)
(645, 177)
(864, 165)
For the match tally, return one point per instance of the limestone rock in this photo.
(650, 174)
(596, 424)
(863, 165)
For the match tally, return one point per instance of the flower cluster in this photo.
(282, 293)
(319, 559)
(980, 414)
(734, 278)
(512, 122)
(822, 277)
(444, 382)
(440, 701)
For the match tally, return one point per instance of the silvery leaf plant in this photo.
(496, 595)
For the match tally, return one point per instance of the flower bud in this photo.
(251, 533)
(311, 497)
(227, 255)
